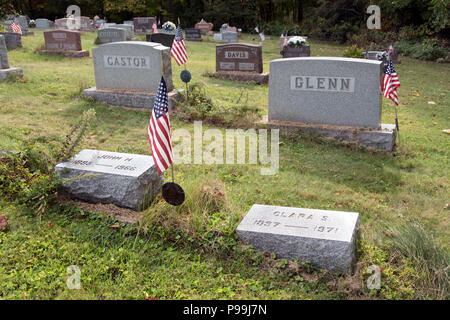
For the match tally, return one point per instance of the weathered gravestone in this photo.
(193, 34)
(326, 238)
(336, 97)
(143, 24)
(217, 37)
(129, 29)
(129, 22)
(6, 71)
(61, 23)
(21, 21)
(64, 42)
(128, 73)
(108, 35)
(204, 26)
(230, 37)
(296, 51)
(109, 24)
(165, 39)
(43, 24)
(13, 40)
(126, 180)
(86, 24)
(99, 22)
(241, 62)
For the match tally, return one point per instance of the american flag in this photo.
(178, 50)
(390, 82)
(16, 28)
(158, 131)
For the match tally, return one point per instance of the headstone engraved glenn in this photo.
(128, 73)
(162, 38)
(126, 180)
(13, 40)
(108, 35)
(204, 26)
(230, 37)
(240, 62)
(336, 97)
(143, 24)
(6, 71)
(64, 42)
(193, 34)
(326, 238)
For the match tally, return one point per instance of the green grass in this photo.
(386, 190)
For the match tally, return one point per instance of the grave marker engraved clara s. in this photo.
(326, 238)
(126, 180)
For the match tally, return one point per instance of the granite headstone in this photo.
(143, 24)
(6, 71)
(108, 35)
(230, 37)
(163, 38)
(239, 57)
(193, 34)
(13, 40)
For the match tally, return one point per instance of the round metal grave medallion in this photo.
(185, 76)
(173, 193)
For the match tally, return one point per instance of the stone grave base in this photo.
(65, 53)
(11, 74)
(382, 139)
(192, 39)
(259, 78)
(27, 33)
(134, 99)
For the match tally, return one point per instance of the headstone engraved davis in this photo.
(230, 37)
(6, 71)
(333, 96)
(162, 38)
(128, 73)
(43, 24)
(126, 180)
(143, 24)
(108, 35)
(193, 34)
(13, 40)
(326, 238)
(64, 42)
(240, 62)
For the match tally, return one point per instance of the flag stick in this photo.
(172, 173)
(396, 124)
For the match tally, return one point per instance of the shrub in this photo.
(428, 49)
(353, 52)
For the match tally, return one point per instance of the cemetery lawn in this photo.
(192, 252)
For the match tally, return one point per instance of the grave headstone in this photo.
(128, 73)
(61, 23)
(143, 24)
(325, 238)
(230, 37)
(231, 29)
(86, 24)
(330, 92)
(193, 34)
(64, 42)
(126, 180)
(217, 37)
(109, 24)
(13, 40)
(129, 22)
(108, 35)
(163, 38)
(296, 51)
(21, 20)
(6, 71)
(43, 24)
(99, 22)
(204, 26)
(129, 29)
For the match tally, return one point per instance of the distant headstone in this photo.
(217, 37)
(21, 20)
(193, 34)
(126, 180)
(109, 24)
(296, 51)
(143, 24)
(129, 22)
(325, 238)
(108, 35)
(64, 42)
(99, 22)
(6, 71)
(13, 40)
(43, 24)
(162, 38)
(393, 54)
(231, 29)
(129, 29)
(204, 26)
(330, 91)
(128, 73)
(230, 37)
(86, 24)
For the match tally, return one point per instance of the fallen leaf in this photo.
(446, 130)
(3, 223)
(115, 226)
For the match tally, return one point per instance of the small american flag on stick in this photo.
(158, 131)
(16, 28)
(390, 83)
(178, 50)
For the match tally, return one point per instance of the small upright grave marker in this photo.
(64, 42)
(143, 24)
(6, 71)
(326, 238)
(193, 34)
(204, 26)
(166, 39)
(230, 37)
(13, 40)
(108, 35)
